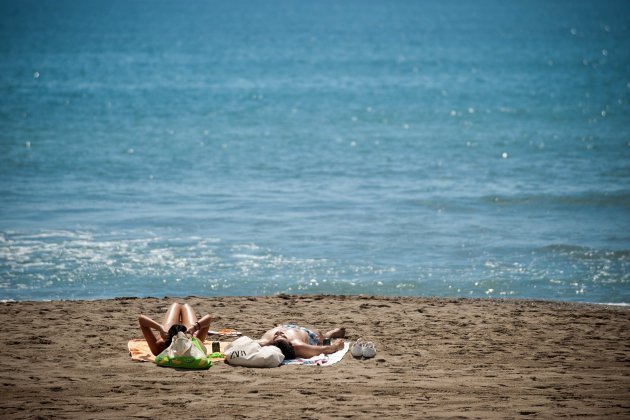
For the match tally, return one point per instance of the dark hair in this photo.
(172, 332)
(285, 347)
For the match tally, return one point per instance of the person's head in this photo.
(172, 332)
(285, 347)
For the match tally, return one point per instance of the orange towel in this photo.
(140, 352)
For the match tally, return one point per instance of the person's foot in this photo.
(336, 333)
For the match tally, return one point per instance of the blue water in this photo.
(429, 148)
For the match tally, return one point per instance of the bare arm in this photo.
(146, 325)
(204, 322)
(306, 350)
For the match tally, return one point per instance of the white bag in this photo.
(182, 345)
(247, 352)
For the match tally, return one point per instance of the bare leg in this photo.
(188, 316)
(336, 333)
(172, 316)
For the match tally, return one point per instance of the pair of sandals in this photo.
(362, 348)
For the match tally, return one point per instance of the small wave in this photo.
(596, 199)
(48, 234)
(582, 252)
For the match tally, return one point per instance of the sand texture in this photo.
(436, 358)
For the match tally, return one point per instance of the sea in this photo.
(384, 147)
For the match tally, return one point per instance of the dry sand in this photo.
(436, 358)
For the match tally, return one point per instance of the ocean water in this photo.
(426, 148)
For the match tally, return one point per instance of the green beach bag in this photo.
(185, 352)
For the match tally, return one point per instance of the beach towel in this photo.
(226, 332)
(322, 359)
(140, 351)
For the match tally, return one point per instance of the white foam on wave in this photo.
(65, 257)
(63, 264)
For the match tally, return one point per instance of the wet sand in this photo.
(436, 358)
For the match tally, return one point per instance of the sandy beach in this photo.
(436, 358)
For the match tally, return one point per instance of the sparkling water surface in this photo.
(438, 148)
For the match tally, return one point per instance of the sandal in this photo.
(357, 348)
(369, 350)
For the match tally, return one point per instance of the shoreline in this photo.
(307, 295)
(436, 357)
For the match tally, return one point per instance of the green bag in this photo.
(184, 352)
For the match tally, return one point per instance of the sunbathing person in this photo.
(178, 318)
(295, 341)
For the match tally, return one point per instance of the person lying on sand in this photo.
(178, 318)
(295, 341)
